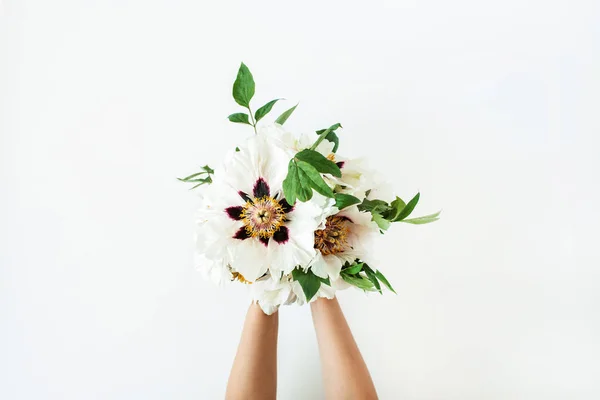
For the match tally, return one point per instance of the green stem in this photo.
(321, 137)
(253, 121)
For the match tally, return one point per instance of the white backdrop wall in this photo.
(489, 108)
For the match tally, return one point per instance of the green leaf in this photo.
(358, 281)
(354, 269)
(206, 170)
(309, 176)
(187, 178)
(384, 281)
(309, 282)
(205, 180)
(202, 182)
(426, 219)
(237, 149)
(343, 200)
(291, 183)
(264, 110)
(243, 87)
(325, 280)
(296, 185)
(396, 208)
(332, 136)
(378, 206)
(372, 277)
(285, 115)
(320, 162)
(409, 208)
(383, 223)
(240, 118)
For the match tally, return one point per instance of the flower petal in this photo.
(257, 158)
(241, 234)
(250, 259)
(282, 235)
(244, 196)
(261, 188)
(318, 266)
(326, 266)
(284, 258)
(234, 212)
(325, 291)
(286, 206)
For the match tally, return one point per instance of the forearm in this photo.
(345, 373)
(254, 371)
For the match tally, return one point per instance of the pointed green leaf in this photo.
(208, 169)
(343, 200)
(296, 185)
(426, 219)
(358, 281)
(354, 269)
(410, 206)
(333, 127)
(396, 208)
(378, 206)
(309, 282)
(291, 183)
(309, 176)
(320, 162)
(372, 277)
(264, 110)
(325, 280)
(305, 191)
(205, 181)
(240, 118)
(191, 176)
(285, 115)
(384, 281)
(383, 223)
(243, 87)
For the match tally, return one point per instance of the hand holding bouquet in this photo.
(290, 217)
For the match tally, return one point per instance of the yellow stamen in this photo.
(334, 238)
(262, 217)
(236, 276)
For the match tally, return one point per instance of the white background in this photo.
(489, 108)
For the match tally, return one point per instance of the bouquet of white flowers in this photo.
(288, 216)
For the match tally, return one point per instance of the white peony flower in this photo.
(246, 227)
(347, 236)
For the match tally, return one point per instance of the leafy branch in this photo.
(359, 274)
(397, 211)
(243, 91)
(199, 178)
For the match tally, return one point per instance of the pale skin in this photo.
(254, 371)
